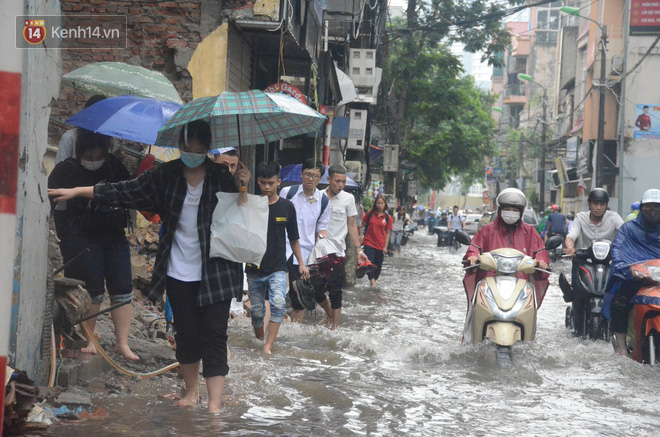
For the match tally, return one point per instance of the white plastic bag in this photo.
(239, 233)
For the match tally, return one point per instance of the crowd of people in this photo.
(91, 192)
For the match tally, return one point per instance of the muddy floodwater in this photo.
(396, 367)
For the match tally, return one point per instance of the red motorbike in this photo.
(646, 312)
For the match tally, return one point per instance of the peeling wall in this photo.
(41, 83)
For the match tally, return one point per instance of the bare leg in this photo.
(336, 314)
(267, 315)
(328, 312)
(297, 316)
(621, 344)
(190, 374)
(372, 282)
(91, 323)
(215, 386)
(121, 318)
(259, 333)
(273, 327)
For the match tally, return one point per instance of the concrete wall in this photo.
(41, 83)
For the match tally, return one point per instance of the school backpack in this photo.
(294, 189)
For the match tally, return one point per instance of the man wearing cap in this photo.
(637, 241)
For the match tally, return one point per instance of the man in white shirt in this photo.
(342, 222)
(313, 215)
(456, 222)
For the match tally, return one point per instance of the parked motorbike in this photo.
(408, 231)
(556, 253)
(501, 308)
(646, 312)
(444, 236)
(594, 269)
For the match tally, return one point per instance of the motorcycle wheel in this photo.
(404, 240)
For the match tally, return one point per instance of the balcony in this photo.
(520, 46)
(514, 94)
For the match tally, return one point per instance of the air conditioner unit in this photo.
(355, 170)
(357, 129)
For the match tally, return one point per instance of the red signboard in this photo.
(289, 89)
(644, 17)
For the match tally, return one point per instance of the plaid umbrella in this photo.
(245, 118)
(118, 78)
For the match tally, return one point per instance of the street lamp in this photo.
(600, 146)
(544, 130)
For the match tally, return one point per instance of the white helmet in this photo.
(512, 197)
(651, 196)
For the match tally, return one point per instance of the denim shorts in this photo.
(275, 286)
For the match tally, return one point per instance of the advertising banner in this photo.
(644, 17)
(647, 120)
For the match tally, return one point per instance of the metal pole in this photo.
(622, 110)
(600, 148)
(544, 130)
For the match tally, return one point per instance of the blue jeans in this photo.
(273, 284)
(396, 239)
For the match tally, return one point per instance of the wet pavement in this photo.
(395, 367)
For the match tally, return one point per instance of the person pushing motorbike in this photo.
(638, 240)
(508, 230)
(557, 223)
(596, 224)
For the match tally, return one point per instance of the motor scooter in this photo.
(444, 236)
(646, 312)
(593, 271)
(556, 253)
(502, 308)
(408, 231)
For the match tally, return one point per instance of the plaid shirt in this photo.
(162, 190)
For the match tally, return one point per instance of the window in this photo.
(547, 25)
(370, 71)
(356, 54)
(370, 54)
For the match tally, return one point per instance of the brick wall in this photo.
(162, 36)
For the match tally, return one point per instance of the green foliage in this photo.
(367, 202)
(439, 117)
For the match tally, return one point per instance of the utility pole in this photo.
(544, 131)
(600, 150)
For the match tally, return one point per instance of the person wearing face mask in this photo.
(86, 224)
(508, 230)
(200, 288)
(637, 241)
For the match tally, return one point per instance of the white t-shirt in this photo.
(398, 224)
(342, 206)
(456, 221)
(185, 262)
(308, 210)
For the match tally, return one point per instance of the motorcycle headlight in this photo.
(600, 249)
(655, 272)
(507, 264)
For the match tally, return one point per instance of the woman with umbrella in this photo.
(200, 288)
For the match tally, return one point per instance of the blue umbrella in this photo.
(293, 173)
(128, 117)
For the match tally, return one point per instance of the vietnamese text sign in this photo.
(647, 120)
(644, 17)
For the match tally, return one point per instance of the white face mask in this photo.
(510, 217)
(92, 165)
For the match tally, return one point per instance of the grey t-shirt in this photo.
(583, 232)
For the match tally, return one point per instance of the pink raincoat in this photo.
(497, 235)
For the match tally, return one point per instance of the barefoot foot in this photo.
(189, 400)
(90, 349)
(126, 352)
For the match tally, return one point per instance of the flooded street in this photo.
(396, 367)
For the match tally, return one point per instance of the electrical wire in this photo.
(113, 363)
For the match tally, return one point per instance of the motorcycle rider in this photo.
(637, 241)
(456, 223)
(634, 212)
(508, 230)
(598, 223)
(443, 220)
(557, 223)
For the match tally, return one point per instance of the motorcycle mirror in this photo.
(554, 242)
(462, 237)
